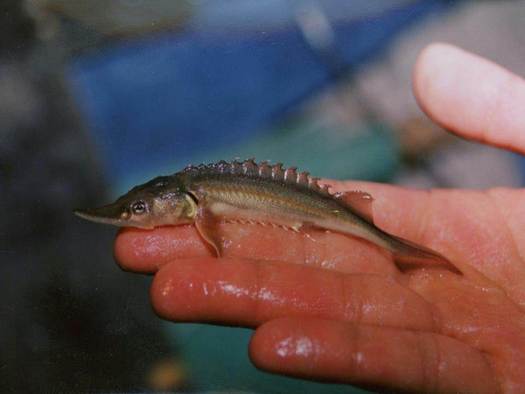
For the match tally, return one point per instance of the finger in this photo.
(471, 96)
(386, 358)
(247, 293)
(146, 251)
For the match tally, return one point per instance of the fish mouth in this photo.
(107, 214)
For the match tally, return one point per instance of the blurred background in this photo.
(97, 96)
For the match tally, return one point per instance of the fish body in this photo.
(256, 193)
(271, 199)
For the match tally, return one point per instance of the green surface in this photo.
(217, 359)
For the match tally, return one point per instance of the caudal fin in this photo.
(410, 255)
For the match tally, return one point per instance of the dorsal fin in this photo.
(264, 170)
(236, 167)
(360, 202)
(290, 175)
(313, 183)
(302, 178)
(278, 172)
(222, 166)
(249, 167)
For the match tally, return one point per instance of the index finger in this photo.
(146, 251)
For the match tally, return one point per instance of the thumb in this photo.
(471, 96)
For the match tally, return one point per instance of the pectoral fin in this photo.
(207, 226)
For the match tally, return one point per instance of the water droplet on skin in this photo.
(359, 358)
(209, 289)
(167, 288)
(283, 347)
(302, 346)
(267, 295)
(226, 243)
(367, 309)
(328, 264)
(231, 289)
(310, 259)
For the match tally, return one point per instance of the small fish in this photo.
(257, 193)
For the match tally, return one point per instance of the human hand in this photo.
(332, 308)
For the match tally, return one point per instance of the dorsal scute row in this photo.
(263, 170)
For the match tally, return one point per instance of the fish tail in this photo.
(409, 255)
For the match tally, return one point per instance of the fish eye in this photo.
(138, 207)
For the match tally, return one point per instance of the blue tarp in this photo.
(168, 97)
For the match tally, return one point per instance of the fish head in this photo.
(161, 201)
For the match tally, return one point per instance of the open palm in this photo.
(332, 308)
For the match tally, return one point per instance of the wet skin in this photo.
(331, 308)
